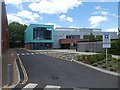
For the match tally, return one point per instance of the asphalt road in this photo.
(45, 70)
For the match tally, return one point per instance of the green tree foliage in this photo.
(90, 37)
(98, 37)
(115, 47)
(16, 34)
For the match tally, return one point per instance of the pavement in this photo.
(43, 71)
(9, 58)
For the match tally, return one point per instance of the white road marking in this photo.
(36, 53)
(27, 54)
(18, 54)
(32, 53)
(22, 54)
(52, 87)
(30, 86)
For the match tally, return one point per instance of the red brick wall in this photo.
(5, 30)
(27, 46)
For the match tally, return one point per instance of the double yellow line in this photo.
(24, 71)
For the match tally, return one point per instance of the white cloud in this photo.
(112, 30)
(65, 18)
(104, 13)
(18, 3)
(97, 7)
(28, 15)
(24, 14)
(54, 6)
(55, 25)
(96, 20)
(101, 11)
(100, 0)
(13, 17)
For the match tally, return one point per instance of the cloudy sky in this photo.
(65, 13)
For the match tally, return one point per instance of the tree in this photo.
(98, 37)
(91, 37)
(115, 47)
(17, 34)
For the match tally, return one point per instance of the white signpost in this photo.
(106, 43)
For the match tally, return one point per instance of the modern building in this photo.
(38, 36)
(67, 38)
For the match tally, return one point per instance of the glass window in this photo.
(42, 33)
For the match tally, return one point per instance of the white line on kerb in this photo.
(30, 86)
(52, 87)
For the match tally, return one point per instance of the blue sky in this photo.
(65, 13)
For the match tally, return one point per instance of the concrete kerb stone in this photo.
(99, 69)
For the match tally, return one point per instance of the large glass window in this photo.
(42, 33)
(76, 37)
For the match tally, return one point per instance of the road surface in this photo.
(44, 70)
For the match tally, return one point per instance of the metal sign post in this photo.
(106, 44)
(106, 56)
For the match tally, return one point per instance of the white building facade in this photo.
(77, 34)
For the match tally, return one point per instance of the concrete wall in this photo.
(90, 47)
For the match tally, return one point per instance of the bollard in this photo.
(9, 79)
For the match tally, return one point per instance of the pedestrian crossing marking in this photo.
(30, 86)
(18, 54)
(52, 87)
(23, 54)
(32, 53)
(36, 53)
(28, 53)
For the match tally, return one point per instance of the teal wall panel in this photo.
(29, 33)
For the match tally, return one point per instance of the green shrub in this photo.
(100, 62)
(95, 64)
(83, 57)
(92, 59)
(113, 69)
(115, 47)
(104, 66)
(104, 61)
(109, 59)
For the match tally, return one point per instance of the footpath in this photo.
(9, 57)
